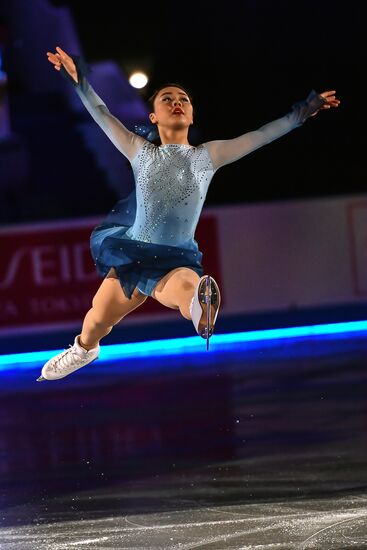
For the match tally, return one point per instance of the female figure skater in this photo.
(145, 246)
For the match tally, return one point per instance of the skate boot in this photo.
(68, 361)
(205, 306)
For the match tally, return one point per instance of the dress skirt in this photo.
(138, 264)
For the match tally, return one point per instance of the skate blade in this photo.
(40, 379)
(208, 300)
(206, 294)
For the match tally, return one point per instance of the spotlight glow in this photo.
(138, 80)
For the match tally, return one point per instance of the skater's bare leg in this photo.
(176, 290)
(109, 306)
(197, 298)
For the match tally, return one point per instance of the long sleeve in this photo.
(226, 151)
(127, 142)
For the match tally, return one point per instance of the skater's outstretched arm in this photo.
(71, 67)
(226, 151)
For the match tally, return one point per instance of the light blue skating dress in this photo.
(152, 231)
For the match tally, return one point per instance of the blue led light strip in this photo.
(187, 346)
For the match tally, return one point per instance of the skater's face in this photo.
(172, 108)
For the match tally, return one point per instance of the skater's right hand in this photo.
(60, 59)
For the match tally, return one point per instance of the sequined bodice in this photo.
(171, 185)
(172, 180)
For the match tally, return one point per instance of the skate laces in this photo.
(66, 359)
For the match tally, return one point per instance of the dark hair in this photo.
(150, 132)
(168, 85)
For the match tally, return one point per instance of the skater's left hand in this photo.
(331, 101)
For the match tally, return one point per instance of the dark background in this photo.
(246, 63)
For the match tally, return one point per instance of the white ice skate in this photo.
(68, 361)
(205, 306)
